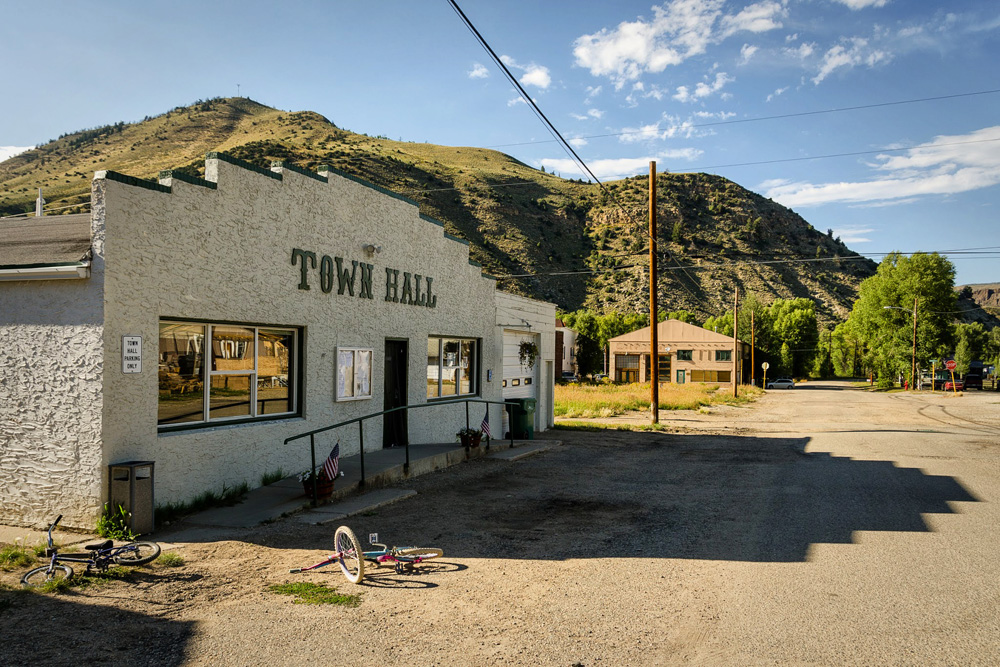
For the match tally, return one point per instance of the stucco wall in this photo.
(51, 364)
(225, 254)
(532, 319)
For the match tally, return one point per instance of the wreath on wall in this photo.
(527, 352)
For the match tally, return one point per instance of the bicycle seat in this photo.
(99, 547)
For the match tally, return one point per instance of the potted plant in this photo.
(324, 485)
(470, 437)
(527, 352)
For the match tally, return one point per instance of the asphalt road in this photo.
(822, 525)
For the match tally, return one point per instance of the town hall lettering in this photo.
(411, 289)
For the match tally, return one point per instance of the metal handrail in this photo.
(361, 432)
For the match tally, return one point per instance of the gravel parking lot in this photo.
(821, 525)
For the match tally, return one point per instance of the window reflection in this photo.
(181, 373)
(229, 396)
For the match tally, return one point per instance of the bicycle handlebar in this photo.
(58, 519)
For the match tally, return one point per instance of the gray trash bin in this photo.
(131, 486)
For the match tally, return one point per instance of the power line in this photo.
(834, 155)
(774, 117)
(552, 128)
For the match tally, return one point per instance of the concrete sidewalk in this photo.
(382, 468)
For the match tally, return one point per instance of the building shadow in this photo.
(62, 629)
(699, 497)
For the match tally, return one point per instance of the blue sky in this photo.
(741, 89)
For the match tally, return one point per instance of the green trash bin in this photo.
(522, 418)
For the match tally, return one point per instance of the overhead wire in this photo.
(552, 128)
(735, 121)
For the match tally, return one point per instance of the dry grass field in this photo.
(609, 400)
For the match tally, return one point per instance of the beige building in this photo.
(687, 353)
(197, 324)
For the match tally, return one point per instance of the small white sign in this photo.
(131, 354)
(765, 365)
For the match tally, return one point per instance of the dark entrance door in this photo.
(394, 423)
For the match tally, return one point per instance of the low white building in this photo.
(298, 299)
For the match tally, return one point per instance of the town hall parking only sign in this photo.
(131, 354)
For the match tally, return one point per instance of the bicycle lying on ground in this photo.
(99, 557)
(352, 559)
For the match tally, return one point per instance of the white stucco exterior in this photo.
(225, 254)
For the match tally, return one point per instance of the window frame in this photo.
(472, 373)
(723, 355)
(207, 374)
(685, 355)
(358, 354)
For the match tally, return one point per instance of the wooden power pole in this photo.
(654, 349)
(736, 341)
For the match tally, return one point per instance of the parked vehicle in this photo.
(973, 381)
(781, 383)
(954, 385)
(570, 376)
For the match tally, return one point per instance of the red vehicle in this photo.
(954, 385)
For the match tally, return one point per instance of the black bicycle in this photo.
(98, 557)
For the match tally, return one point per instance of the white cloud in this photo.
(862, 4)
(801, 52)
(679, 29)
(746, 53)
(10, 151)
(756, 18)
(947, 165)
(478, 71)
(532, 75)
(703, 89)
(592, 114)
(616, 168)
(777, 92)
(578, 142)
(853, 235)
(669, 127)
(856, 51)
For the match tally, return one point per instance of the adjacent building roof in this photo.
(674, 331)
(45, 241)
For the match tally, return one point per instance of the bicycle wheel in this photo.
(413, 553)
(41, 575)
(352, 561)
(143, 552)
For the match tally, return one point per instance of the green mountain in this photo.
(570, 242)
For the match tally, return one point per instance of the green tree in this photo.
(882, 317)
(793, 322)
(963, 356)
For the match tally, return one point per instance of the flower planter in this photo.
(471, 440)
(324, 487)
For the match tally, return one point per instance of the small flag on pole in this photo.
(485, 426)
(332, 463)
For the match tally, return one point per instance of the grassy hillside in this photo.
(714, 235)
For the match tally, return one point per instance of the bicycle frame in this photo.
(100, 559)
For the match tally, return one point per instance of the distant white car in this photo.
(781, 383)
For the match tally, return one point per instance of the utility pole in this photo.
(654, 357)
(753, 345)
(913, 367)
(736, 341)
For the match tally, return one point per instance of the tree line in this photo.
(876, 340)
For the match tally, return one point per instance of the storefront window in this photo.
(181, 373)
(451, 367)
(250, 372)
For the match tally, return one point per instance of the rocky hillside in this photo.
(580, 245)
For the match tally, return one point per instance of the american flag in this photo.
(485, 426)
(332, 463)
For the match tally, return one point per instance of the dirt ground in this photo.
(822, 525)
